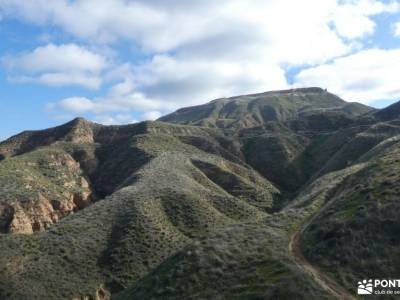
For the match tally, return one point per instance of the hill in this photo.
(257, 109)
(265, 196)
(281, 132)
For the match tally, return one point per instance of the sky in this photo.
(121, 61)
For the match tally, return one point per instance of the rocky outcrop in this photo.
(81, 132)
(39, 215)
(101, 294)
(49, 184)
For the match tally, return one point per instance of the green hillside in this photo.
(279, 195)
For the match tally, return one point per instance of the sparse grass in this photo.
(184, 215)
(118, 240)
(361, 226)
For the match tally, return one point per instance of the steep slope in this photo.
(46, 175)
(245, 261)
(389, 113)
(39, 188)
(257, 109)
(180, 194)
(358, 236)
(329, 148)
(241, 262)
(269, 196)
(280, 130)
(76, 131)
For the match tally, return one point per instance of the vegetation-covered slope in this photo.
(257, 109)
(220, 203)
(279, 131)
(181, 193)
(358, 237)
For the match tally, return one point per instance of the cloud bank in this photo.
(57, 65)
(364, 76)
(201, 50)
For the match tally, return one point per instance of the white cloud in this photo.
(121, 97)
(397, 29)
(107, 21)
(115, 119)
(57, 65)
(162, 26)
(195, 50)
(165, 84)
(75, 105)
(189, 81)
(51, 57)
(366, 76)
(352, 19)
(61, 79)
(151, 115)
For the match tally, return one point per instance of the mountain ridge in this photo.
(207, 209)
(262, 107)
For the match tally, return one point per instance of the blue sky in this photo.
(117, 62)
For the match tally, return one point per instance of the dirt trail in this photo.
(322, 279)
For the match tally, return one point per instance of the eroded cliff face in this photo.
(48, 175)
(186, 213)
(101, 294)
(47, 187)
(39, 215)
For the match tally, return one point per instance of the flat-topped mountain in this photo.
(278, 195)
(257, 109)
